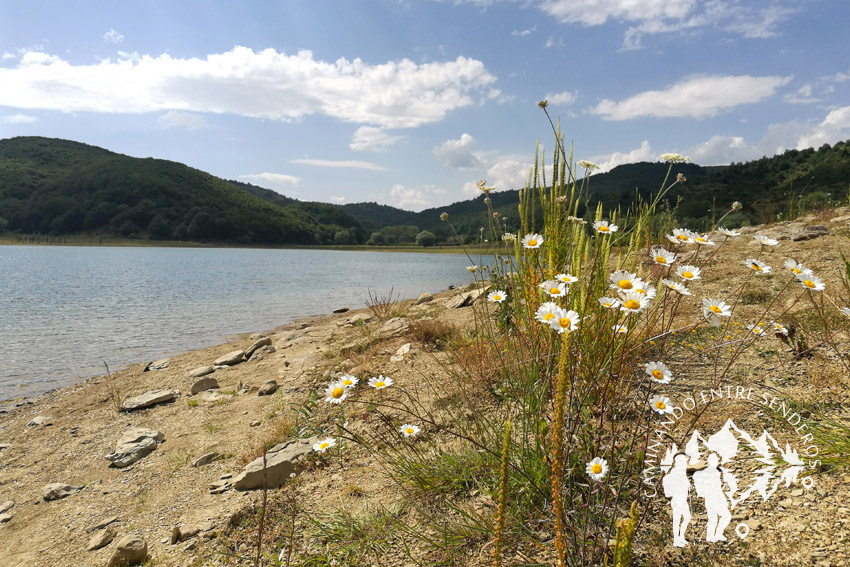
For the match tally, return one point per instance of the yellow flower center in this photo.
(409, 431)
(532, 242)
(338, 392)
(603, 228)
(643, 291)
(549, 316)
(347, 382)
(607, 304)
(379, 384)
(632, 304)
(808, 283)
(596, 468)
(660, 404)
(661, 259)
(555, 291)
(625, 284)
(796, 271)
(681, 237)
(687, 275)
(756, 267)
(324, 445)
(657, 374)
(715, 309)
(497, 297)
(565, 322)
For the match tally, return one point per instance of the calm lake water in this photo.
(65, 310)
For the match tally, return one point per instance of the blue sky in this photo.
(409, 103)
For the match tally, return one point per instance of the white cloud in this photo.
(261, 84)
(405, 198)
(610, 161)
(504, 172)
(6, 56)
(278, 179)
(696, 97)
(561, 99)
(370, 139)
(597, 12)
(340, 163)
(337, 200)
(18, 119)
(457, 153)
(551, 42)
(835, 127)
(113, 36)
(187, 120)
(802, 96)
(525, 32)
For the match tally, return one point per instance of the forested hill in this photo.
(60, 187)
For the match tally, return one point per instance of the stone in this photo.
(359, 319)
(201, 371)
(157, 365)
(100, 539)
(131, 549)
(265, 341)
(424, 298)
(214, 396)
(393, 327)
(281, 461)
(179, 534)
(220, 486)
(268, 388)
(148, 399)
(399, 354)
(255, 423)
(103, 524)
(41, 420)
(58, 490)
(4, 446)
(6, 506)
(204, 384)
(133, 445)
(341, 310)
(464, 299)
(5, 517)
(810, 232)
(205, 459)
(230, 358)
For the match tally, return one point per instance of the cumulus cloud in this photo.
(696, 97)
(18, 119)
(802, 96)
(525, 32)
(340, 163)
(835, 127)
(406, 198)
(608, 162)
(187, 120)
(560, 99)
(258, 84)
(278, 179)
(457, 153)
(370, 139)
(113, 36)
(552, 41)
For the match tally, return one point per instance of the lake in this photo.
(64, 310)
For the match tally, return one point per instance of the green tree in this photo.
(426, 238)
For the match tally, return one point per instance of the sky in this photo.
(409, 103)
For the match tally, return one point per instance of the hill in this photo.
(52, 186)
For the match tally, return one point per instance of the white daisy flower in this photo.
(646, 290)
(779, 328)
(756, 266)
(712, 309)
(681, 236)
(380, 382)
(703, 240)
(597, 468)
(623, 280)
(324, 445)
(727, 232)
(845, 311)
(564, 321)
(688, 272)
(620, 329)
(409, 430)
(658, 372)
(757, 330)
(348, 381)
(554, 288)
(764, 240)
(604, 227)
(662, 257)
(566, 278)
(633, 302)
(661, 404)
(546, 312)
(532, 241)
(609, 302)
(795, 267)
(336, 393)
(497, 296)
(810, 281)
(676, 286)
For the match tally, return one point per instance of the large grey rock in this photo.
(394, 326)
(148, 399)
(157, 365)
(42, 420)
(268, 388)
(130, 550)
(265, 341)
(214, 396)
(281, 461)
(399, 354)
(201, 371)
(204, 384)
(230, 358)
(100, 539)
(58, 490)
(6, 506)
(424, 298)
(5, 517)
(810, 232)
(205, 459)
(133, 445)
